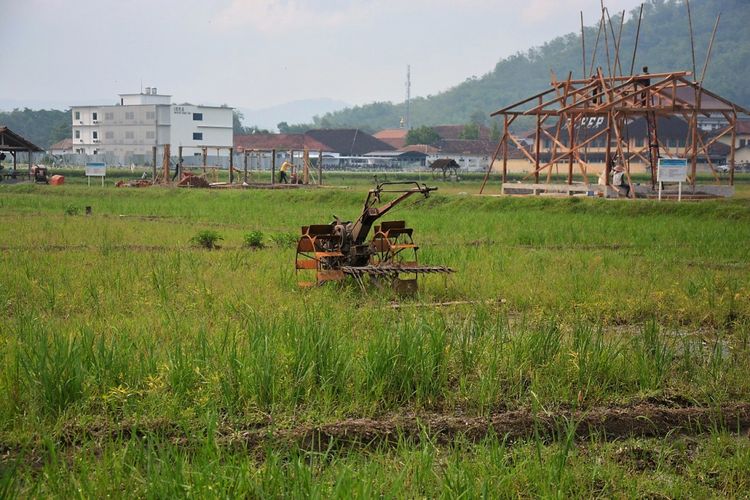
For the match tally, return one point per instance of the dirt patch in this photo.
(643, 420)
(640, 420)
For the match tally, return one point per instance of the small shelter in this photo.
(12, 143)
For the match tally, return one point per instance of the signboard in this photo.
(672, 170)
(96, 169)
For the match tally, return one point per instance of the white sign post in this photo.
(672, 170)
(96, 169)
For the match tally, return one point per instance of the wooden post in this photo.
(320, 168)
(537, 144)
(733, 146)
(165, 163)
(15, 161)
(571, 145)
(153, 165)
(505, 150)
(273, 166)
(305, 168)
(608, 152)
(231, 165)
(31, 161)
(245, 165)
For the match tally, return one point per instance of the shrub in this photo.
(284, 239)
(254, 239)
(207, 239)
(72, 210)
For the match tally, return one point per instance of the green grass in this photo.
(117, 318)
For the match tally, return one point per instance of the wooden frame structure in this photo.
(204, 155)
(306, 164)
(13, 143)
(616, 101)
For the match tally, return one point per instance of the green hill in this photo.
(664, 45)
(42, 127)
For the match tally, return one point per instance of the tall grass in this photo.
(110, 319)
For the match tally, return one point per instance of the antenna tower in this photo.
(408, 97)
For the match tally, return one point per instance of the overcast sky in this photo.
(259, 53)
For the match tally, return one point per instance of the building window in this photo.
(77, 115)
(150, 115)
(197, 117)
(78, 134)
(94, 116)
(129, 134)
(743, 143)
(95, 134)
(197, 136)
(639, 142)
(150, 134)
(129, 115)
(109, 135)
(109, 116)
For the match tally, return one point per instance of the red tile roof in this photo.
(396, 137)
(466, 147)
(452, 132)
(420, 148)
(348, 142)
(277, 141)
(65, 145)
(743, 127)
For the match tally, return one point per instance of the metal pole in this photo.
(153, 166)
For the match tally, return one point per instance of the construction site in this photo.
(334, 313)
(586, 127)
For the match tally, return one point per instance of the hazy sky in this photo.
(258, 53)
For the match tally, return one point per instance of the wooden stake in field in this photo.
(165, 164)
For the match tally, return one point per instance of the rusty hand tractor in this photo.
(331, 252)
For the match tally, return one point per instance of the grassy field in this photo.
(137, 364)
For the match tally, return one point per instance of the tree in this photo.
(237, 118)
(422, 135)
(495, 131)
(470, 131)
(478, 117)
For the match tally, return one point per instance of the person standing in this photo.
(283, 170)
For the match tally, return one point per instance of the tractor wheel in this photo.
(317, 261)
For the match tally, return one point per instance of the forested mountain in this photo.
(664, 45)
(42, 127)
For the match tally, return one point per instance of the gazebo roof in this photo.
(10, 141)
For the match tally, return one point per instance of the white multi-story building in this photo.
(130, 129)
